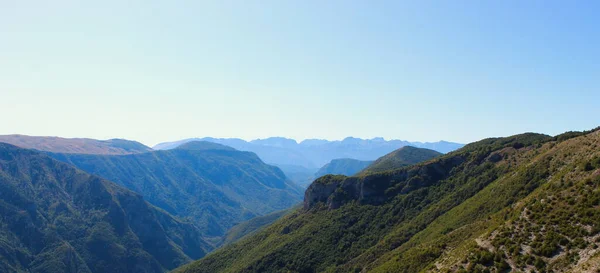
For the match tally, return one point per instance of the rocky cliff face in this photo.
(336, 190)
(320, 190)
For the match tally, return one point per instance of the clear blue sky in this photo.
(421, 70)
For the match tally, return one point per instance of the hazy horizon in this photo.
(247, 140)
(153, 72)
(297, 140)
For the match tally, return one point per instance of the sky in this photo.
(156, 71)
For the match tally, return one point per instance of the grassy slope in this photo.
(429, 217)
(556, 228)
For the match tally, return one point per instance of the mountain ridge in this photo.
(314, 153)
(75, 145)
(215, 186)
(56, 218)
(405, 156)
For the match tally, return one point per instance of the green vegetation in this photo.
(212, 185)
(55, 218)
(554, 228)
(525, 203)
(402, 157)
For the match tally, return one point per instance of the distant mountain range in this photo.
(527, 202)
(119, 206)
(314, 153)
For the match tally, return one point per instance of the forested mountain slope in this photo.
(527, 203)
(56, 218)
(214, 185)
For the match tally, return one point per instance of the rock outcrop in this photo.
(376, 188)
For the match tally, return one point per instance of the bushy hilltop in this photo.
(215, 186)
(402, 157)
(524, 203)
(56, 218)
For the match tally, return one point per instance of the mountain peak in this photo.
(352, 140)
(313, 142)
(198, 145)
(276, 142)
